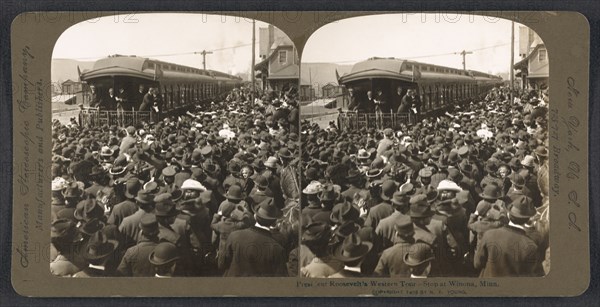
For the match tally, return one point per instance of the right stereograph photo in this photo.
(424, 148)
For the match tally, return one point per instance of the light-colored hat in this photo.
(191, 184)
(447, 185)
(527, 161)
(271, 162)
(59, 183)
(314, 187)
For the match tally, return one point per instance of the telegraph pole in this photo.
(204, 53)
(253, 59)
(512, 60)
(464, 56)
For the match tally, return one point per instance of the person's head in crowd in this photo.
(503, 171)
(447, 189)
(419, 258)
(164, 258)
(164, 209)
(111, 91)
(420, 210)
(145, 200)
(267, 213)
(141, 88)
(316, 236)
(521, 210)
(149, 227)
(192, 188)
(352, 250)
(370, 94)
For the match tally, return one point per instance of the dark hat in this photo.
(149, 224)
(343, 212)
(463, 151)
(99, 247)
(316, 231)
(164, 253)
(235, 192)
(418, 254)
(144, 196)
(454, 175)
(261, 181)
(268, 211)
(517, 180)
(419, 207)
(72, 191)
(352, 249)
(132, 186)
(404, 226)
(88, 209)
(64, 230)
(92, 226)
(285, 153)
(387, 189)
(522, 207)
(491, 167)
(400, 199)
(328, 193)
(353, 174)
(465, 166)
(541, 151)
(164, 205)
(491, 192)
(346, 229)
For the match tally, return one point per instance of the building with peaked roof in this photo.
(279, 70)
(533, 67)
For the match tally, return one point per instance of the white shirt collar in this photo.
(257, 225)
(416, 276)
(511, 224)
(97, 267)
(161, 276)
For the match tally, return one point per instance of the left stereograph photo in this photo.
(174, 148)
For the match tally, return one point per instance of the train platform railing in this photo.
(356, 120)
(90, 117)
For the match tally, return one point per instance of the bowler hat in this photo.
(261, 181)
(88, 209)
(387, 189)
(343, 212)
(64, 230)
(149, 224)
(164, 253)
(144, 197)
(346, 229)
(517, 180)
(235, 192)
(316, 231)
(92, 226)
(164, 205)
(132, 186)
(491, 192)
(404, 226)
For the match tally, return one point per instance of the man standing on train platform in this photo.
(147, 101)
(411, 103)
(139, 97)
(352, 101)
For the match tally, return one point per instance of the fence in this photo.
(355, 121)
(93, 117)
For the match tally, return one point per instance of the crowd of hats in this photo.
(182, 172)
(478, 166)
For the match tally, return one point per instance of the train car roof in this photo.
(398, 69)
(145, 68)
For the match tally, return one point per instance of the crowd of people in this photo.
(214, 192)
(460, 194)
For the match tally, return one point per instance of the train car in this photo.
(437, 86)
(180, 87)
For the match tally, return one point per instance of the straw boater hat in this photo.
(314, 187)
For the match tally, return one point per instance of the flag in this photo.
(416, 73)
(158, 73)
(78, 73)
(337, 76)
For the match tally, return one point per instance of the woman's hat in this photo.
(314, 187)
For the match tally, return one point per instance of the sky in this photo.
(428, 38)
(160, 36)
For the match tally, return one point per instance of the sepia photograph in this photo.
(424, 148)
(174, 148)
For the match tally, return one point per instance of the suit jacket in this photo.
(378, 213)
(391, 263)
(385, 229)
(62, 266)
(322, 267)
(506, 252)
(135, 262)
(130, 227)
(147, 102)
(254, 252)
(121, 211)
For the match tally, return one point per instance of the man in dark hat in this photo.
(165, 259)
(135, 262)
(67, 242)
(385, 230)
(241, 256)
(351, 252)
(383, 209)
(391, 263)
(97, 252)
(355, 186)
(517, 188)
(289, 182)
(260, 192)
(128, 206)
(420, 258)
(316, 237)
(508, 251)
(131, 224)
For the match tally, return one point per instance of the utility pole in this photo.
(512, 60)
(204, 53)
(253, 59)
(464, 55)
